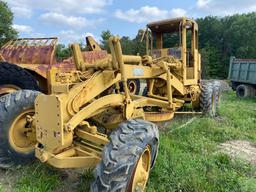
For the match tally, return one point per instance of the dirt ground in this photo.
(7, 178)
(72, 179)
(239, 149)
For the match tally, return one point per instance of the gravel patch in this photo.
(239, 149)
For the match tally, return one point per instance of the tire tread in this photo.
(119, 157)
(11, 105)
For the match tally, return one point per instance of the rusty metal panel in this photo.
(66, 65)
(38, 55)
(30, 51)
(89, 56)
(92, 56)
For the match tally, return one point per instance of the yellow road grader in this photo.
(89, 121)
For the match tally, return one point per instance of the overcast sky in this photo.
(71, 20)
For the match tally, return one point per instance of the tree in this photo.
(62, 52)
(7, 32)
(105, 35)
(222, 37)
(219, 38)
(127, 46)
(139, 47)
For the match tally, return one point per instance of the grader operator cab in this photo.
(177, 38)
(88, 121)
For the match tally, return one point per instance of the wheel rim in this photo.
(218, 99)
(241, 92)
(132, 87)
(21, 137)
(6, 89)
(213, 104)
(141, 172)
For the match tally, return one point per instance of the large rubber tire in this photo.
(217, 91)
(120, 156)
(11, 74)
(208, 98)
(11, 106)
(136, 86)
(244, 91)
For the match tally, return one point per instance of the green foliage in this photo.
(85, 181)
(129, 46)
(62, 52)
(139, 47)
(105, 35)
(220, 38)
(6, 30)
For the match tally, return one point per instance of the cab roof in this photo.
(168, 25)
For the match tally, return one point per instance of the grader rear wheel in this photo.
(21, 137)
(210, 98)
(128, 158)
(17, 136)
(133, 86)
(136, 86)
(6, 89)
(217, 95)
(13, 78)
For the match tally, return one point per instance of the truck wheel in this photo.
(17, 137)
(128, 158)
(136, 86)
(208, 98)
(13, 78)
(217, 94)
(243, 91)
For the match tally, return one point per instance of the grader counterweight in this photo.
(89, 121)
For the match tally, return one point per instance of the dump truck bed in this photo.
(30, 51)
(38, 55)
(242, 70)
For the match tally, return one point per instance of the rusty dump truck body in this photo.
(37, 56)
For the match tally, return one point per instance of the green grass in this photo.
(188, 159)
(85, 181)
(37, 178)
